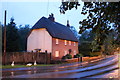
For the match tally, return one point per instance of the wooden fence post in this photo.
(50, 57)
(46, 56)
(80, 59)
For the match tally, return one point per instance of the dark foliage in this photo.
(77, 55)
(23, 32)
(12, 37)
(68, 56)
(16, 38)
(102, 17)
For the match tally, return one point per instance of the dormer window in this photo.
(69, 42)
(65, 42)
(57, 42)
(74, 44)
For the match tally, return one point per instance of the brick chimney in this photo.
(68, 25)
(51, 17)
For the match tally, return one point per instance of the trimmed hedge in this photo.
(78, 55)
(64, 57)
(68, 56)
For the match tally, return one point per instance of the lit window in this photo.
(69, 42)
(74, 52)
(74, 44)
(57, 41)
(65, 53)
(65, 42)
(56, 53)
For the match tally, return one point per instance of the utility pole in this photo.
(4, 55)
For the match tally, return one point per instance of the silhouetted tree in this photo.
(12, 37)
(102, 17)
(23, 32)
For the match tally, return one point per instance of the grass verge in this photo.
(20, 66)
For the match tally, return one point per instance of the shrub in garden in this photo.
(78, 55)
(64, 57)
(69, 56)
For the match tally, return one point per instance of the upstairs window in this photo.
(69, 42)
(57, 42)
(65, 42)
(74, 44)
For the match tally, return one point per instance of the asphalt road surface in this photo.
(102, 68)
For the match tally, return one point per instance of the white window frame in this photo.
(69, 42)
(65, 42)
(57, 54)
(74, 44)
(74, 52)
(57, 41)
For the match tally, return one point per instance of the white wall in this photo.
(39, 39)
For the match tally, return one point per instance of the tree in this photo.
(102, 17)
(23, 32)
(68, 5)
(12, 37)
(16, 37)
(74, 31)
(88, 39)
(109, 44)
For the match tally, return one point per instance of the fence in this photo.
(26, 57)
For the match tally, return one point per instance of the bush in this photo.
(68, 56)
(85, 53)
(56, 62)
(92, 54)
(78, 55)
(64, 57)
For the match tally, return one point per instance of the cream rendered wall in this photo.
(39, 39)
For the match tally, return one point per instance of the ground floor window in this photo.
(56, 53)
(65, 53)
(74, 52)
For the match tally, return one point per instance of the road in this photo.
(102, 68)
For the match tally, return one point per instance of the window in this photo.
(74, 52)
(56, 53)
(74, 44)
(69, 42)
(65, 53)
(57, 41)
(65, 42)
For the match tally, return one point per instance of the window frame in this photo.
(65, 41)
(74, 43)
(57, 54)
(57, 41)
(69, 42)
(74, 52)
(65, 52)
